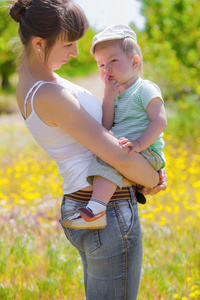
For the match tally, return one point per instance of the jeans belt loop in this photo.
(133, 200)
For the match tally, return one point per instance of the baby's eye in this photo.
(114, 60)
(101, 66)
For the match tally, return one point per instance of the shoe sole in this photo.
(86, 225)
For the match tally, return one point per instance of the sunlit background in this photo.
(102, 13)
(36, 260)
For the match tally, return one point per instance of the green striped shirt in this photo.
(131, 118)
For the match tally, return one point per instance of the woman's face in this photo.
(60, 54)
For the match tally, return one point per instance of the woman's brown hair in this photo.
(50, 20)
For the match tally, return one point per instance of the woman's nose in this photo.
(74, 51)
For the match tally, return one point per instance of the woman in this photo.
(65, 120)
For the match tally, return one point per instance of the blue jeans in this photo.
(111, 257)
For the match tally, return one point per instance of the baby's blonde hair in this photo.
(127, 45)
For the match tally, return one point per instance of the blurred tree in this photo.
(8, 33)
(171, 44)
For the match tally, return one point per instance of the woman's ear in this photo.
(38, 44)
(136, 60)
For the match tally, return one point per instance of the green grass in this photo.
(38, 262)
(183, 119)
(38, 265)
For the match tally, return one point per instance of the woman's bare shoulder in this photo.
(52, 92)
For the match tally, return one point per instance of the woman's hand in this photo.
(162, 185)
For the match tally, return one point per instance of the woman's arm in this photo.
(57, 107)
(161, 186)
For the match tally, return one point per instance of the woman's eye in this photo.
(67, 46)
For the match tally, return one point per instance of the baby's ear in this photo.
(136, 60)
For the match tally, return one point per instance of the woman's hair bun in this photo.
(18, 9)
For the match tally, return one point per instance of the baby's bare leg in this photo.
(103, 189)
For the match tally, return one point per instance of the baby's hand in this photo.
(112, 87)
(133, 145)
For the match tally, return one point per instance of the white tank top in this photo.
(73, 159)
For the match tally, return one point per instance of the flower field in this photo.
(36, 260)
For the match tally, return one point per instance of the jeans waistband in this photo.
(126, 193)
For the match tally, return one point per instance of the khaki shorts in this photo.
(99, 168)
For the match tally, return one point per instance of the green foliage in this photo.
(172, 44)
(183, 120)
(169, 43)
(8, 53)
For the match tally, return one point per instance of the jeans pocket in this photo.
(86, 240)
(68, 208)
(126, 217)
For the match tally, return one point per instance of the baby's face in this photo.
(115, 64)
